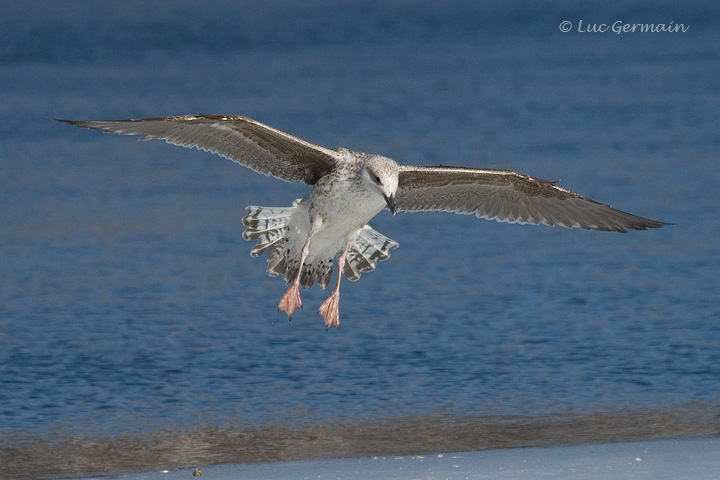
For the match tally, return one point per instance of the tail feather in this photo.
(270, 227)
(268, 240)
(261, 220)
(363, 254)
(276, 261)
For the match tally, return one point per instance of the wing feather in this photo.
(262, 148)
(508, 196)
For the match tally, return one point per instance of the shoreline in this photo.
(657, 459)
(29, 456)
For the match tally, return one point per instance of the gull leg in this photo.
(291, 300)
(330, 309)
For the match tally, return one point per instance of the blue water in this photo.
(129, 303)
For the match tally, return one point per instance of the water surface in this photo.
(133, 319)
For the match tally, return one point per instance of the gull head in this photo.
(381, 175)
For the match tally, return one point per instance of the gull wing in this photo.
(264, 149)
(507, 196)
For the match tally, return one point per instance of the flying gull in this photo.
(349, 188)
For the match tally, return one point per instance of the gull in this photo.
(349, 188)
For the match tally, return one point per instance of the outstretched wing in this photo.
(259, 147)
(508, 197)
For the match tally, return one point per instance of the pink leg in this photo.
(330, 309)
(291, 300)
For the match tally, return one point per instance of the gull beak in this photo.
(390, 200)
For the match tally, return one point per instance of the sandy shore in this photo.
(697, 459)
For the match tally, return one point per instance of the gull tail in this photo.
(268, 226)
(365, 251)
(271, 227)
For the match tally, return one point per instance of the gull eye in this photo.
(376, 178)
